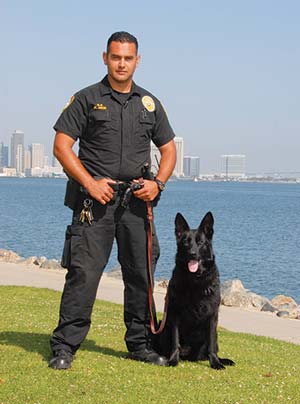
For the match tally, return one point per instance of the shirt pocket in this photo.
(99, 117)
(101, 122)
(146, 124)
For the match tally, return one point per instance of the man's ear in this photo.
(104, 56)
(138, 59)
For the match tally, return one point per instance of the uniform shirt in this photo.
(114, 129)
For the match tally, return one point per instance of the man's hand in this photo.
(100, 190)
(149, 191)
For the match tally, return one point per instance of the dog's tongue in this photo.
(193, 266)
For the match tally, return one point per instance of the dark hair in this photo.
(122, 36)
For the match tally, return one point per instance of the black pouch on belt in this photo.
(72, 194)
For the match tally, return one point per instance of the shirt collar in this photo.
(105, 88)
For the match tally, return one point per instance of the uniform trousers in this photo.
(86, 252)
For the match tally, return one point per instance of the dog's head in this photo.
(194, 246)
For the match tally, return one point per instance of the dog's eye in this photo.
(199, 241)
(186, 241)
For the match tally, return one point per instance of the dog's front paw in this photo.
(215, 362)
(174, 358)
(227, 362)
(217, 365)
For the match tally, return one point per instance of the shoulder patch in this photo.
(148, 103)
(69, 102)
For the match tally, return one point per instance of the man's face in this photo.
(121, 61)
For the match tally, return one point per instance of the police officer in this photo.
(114, 121)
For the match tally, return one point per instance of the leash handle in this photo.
(153, 318)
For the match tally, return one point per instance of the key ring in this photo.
(87, 203)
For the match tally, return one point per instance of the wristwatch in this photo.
(161, 185)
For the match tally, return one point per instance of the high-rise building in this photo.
(155, 157)
(27, 160)
(233, 165)
(3, 155)
(17, 151)
(178, 171)
(37, 155)
(191, 166)
(20, 159)
(55, 162)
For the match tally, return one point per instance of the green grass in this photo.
(266, 371)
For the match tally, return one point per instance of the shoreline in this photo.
(236, 319)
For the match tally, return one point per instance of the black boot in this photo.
(61, 360)
(148, 356)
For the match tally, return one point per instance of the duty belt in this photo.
(125, 190)
(122, 188)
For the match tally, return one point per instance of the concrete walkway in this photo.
(111, 289)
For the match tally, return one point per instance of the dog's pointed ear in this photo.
(207, 225)
(181, 225)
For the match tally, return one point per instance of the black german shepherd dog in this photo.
(190, 332)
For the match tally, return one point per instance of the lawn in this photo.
(266, 371)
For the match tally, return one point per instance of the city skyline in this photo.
(32, 162)
(33, 159)
(229, 81)
(27, 161)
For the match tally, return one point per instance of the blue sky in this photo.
(227, 72)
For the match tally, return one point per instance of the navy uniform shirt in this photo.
(115, 129)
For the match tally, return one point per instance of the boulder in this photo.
(232, 285)
(283, 314)
(39, 260)
(295, 314)
(34, 260)
(163, 283)
(9, 256)
(50, 264)
(284, 303)
(234, 294)
(237, 299)
(268, 307)
(258, 301)
(115, 273)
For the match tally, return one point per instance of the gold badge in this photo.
(69, 102)
(99, 106)
(148, 103)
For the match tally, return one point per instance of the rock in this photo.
(268, 307)
(9, 256)
(234, 294)
(237, 299)
(284, 303)
(232, 285)
(283, 314)
(163, 283)
(29, 260)
(258, 301)
(40, 260)
(115, 273)
(295, 314)
(34, 260)
(50, 264)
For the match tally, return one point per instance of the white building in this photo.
(155, 157)
(20, 159)
(37, 155)
(17, 151)
(191, 166)
(233, 165)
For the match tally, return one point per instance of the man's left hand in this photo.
(149, 191)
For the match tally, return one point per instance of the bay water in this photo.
(257, 227)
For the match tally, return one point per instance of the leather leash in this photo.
(153, 318)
